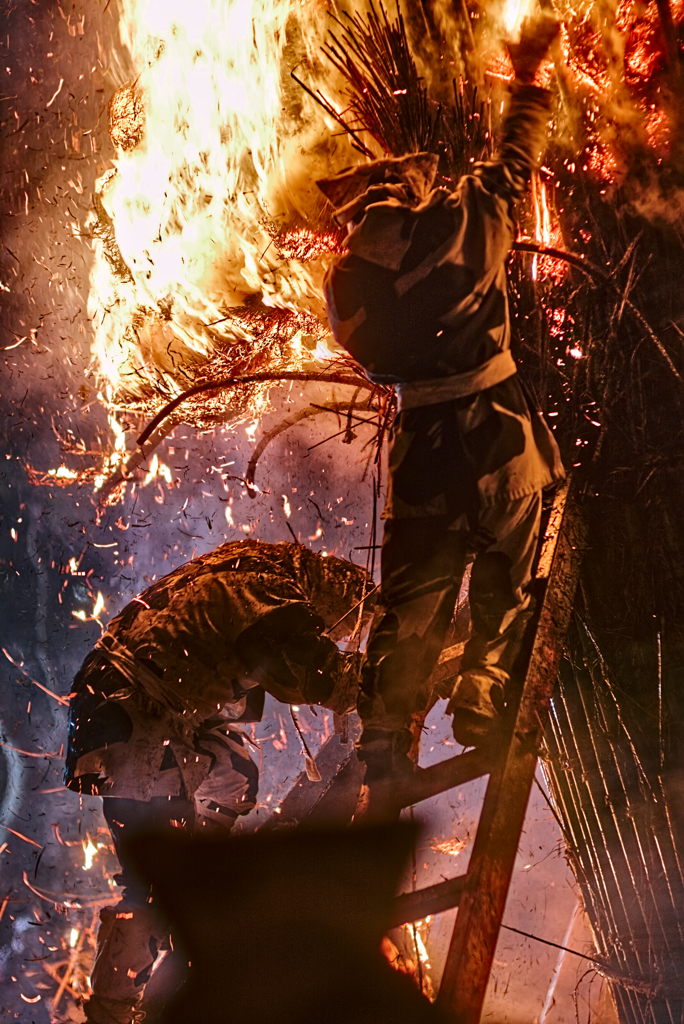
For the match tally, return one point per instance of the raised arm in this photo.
(525, 126)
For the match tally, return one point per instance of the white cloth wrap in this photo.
(459, 385)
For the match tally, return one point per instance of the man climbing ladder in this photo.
(420, 300)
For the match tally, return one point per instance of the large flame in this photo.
(212, 239)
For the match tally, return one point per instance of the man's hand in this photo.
(535, 41)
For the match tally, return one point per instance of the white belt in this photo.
(459, 385)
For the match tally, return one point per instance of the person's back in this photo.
(422, 292)
(192, 627)
(155, 718)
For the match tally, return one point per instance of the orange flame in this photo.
(546, 234)
(209, 225)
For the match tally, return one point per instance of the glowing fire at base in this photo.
(90, 852)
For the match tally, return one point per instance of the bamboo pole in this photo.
(613, 815)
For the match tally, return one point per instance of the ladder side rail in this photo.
(482, 905)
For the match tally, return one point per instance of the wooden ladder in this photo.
(480, 893)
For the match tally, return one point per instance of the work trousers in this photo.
(423, 562)
(132, 932)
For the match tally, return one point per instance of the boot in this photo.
(128, 941)
(477, 704)
(100, 1010)
(388, 769)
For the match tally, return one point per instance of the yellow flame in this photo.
(221, 147)
(419, 940)
(546, 233)
(157, 469)
(545, 225)
(73, 937)
(98, 608)
(537, 225)
(90, 851)
(152, 470)
(542, 218)
(422, 951)
(114, 460)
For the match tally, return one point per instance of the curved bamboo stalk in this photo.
(591, 270)
(289, 421)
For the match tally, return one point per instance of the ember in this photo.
(126, 118)
(162, 235)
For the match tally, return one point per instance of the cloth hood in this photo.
(408, 179)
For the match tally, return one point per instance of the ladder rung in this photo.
(439, 777)
(414, 906)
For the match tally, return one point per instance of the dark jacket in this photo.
(420, 301)
(203, 643)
